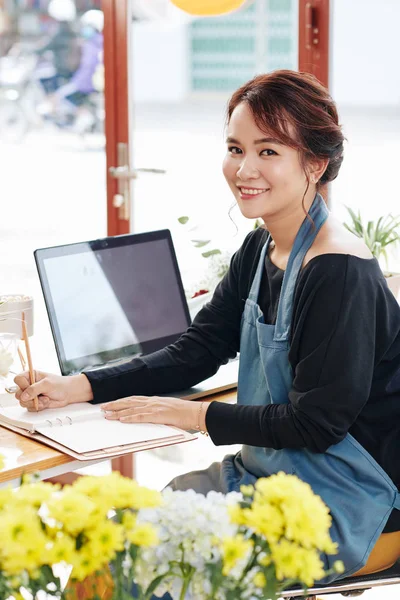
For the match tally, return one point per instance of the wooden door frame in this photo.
(314, 40)
(117, 21)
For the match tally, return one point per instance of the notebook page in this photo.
(101, 434)
(19, 416)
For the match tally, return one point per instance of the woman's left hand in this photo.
(155, 409)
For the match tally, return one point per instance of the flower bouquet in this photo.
(117, 540)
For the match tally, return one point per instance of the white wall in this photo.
(365, 47)
(160, 61)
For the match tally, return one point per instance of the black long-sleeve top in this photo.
(344, 352)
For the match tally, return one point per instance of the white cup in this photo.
(11, 308)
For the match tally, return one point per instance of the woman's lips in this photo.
(247, 193)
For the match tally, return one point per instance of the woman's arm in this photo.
(334, 347)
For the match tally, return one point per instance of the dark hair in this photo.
(283, 98)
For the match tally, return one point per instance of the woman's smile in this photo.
(249, 193)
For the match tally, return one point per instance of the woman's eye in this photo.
(269, 152)
(234, 150)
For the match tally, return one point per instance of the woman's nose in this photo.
(247, 170)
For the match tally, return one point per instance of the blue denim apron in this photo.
(358, 492)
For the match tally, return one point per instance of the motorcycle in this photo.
(24, 102)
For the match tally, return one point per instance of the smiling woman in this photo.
(317, 328)
(273, 150)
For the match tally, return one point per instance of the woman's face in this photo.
(265, 176)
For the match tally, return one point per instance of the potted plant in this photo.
(378, 236)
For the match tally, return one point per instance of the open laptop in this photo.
(112, 299)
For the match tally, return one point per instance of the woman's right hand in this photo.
(53, 391)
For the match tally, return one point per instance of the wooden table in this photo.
(23, 455)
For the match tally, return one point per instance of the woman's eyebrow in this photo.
(266, 140)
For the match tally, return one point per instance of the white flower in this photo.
(6, 360)
(188, 524)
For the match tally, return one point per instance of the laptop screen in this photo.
(112, 298)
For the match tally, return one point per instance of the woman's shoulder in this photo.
(333, 239)
(339, 260)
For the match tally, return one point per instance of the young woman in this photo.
(317, 328)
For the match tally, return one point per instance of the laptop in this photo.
(113, 299)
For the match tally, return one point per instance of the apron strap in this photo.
(303, 242)
(255, 286)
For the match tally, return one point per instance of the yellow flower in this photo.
(305, 517)
(62, 550)
(266, 520)
(143, 535)
(259, 580)
(145, 498)
(264, 560)
(338, 566)
(294, 562)
(72, 509)
(236, 514)
(20, 556)
(19, 526)
(5, 497)
(116, 491)
(106, 539)
(128, 519)
(34, 493)
(233, 549)
(247, 490)
(85, 562)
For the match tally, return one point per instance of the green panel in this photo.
(223, 45)
(226, 51)
(226, 84)
(197, 64)
(205, 25)
(280, 5)
(280, 45)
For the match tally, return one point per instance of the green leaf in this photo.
(200, 243)
(210, 253)
(356, 226)
(183, 220)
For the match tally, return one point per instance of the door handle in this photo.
(123, 174)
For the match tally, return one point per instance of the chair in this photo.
(351, 586)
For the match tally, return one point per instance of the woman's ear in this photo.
(316, 168)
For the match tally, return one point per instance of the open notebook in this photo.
(82, 431)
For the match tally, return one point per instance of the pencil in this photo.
(29, 357)
(22, 359)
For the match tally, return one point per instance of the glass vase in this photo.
(8, 354)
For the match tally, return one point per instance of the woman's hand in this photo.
(53, 391)
(156, 409)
